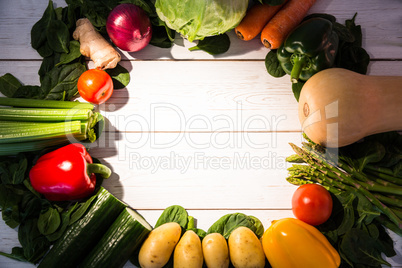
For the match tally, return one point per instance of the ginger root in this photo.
(94, 46)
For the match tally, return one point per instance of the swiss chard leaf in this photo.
(213, 45)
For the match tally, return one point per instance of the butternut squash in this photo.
(338, 107)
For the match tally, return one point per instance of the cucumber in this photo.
(82, 236)
(119, 242)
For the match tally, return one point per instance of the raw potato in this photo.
(156, 250)
(94, 46)
(245, 249)
(188, 252)
(215, 250)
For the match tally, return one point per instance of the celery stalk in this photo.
(39, 133)
(40, 115)
(34, 103)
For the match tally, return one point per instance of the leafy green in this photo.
(120, 76)
(9, 85)
(39, 222)
(58, 36)
(229, 222)
(272, 64)
(350, 53)
(213, 45)
(196, 20)
(366, 193)
(174, 213)
(61, 82)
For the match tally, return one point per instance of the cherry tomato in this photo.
(95, 86)
(312, 203)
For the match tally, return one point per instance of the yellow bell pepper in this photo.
(293, 243)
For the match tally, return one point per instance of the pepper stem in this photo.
(299, 62)
(100, 169)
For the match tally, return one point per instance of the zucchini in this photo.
(120, 241)
(81, 236)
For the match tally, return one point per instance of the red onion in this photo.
(129, 27)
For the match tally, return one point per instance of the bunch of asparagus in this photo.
(371, 168)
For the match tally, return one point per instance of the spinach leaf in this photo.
(358, 247)
(229, 222)
(9, 204)
(58, 36)
(9, 85)
(173, 213)
(49, 221)
(120, 76)
(272, 64)
(297, 88)
(79, 209)
(13, 170)
(38, 31)
(213, 44)
(360, 154)
(17, 253)
(61, 82)
(73, 54)
(34, 244)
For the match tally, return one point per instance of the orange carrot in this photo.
(287, 18)
(255, 20)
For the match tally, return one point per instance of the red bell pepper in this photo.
(67, 173)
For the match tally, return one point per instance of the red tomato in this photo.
(95, 86)
(312, 203)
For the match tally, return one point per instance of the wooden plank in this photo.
(174, 170)
(381, 33)
(219, 97)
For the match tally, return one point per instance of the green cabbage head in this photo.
(196, 19)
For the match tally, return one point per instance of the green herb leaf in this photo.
(213, 45)
(272, 64)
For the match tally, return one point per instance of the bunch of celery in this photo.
(31, 125)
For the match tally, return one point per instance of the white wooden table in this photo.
(208, 133)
